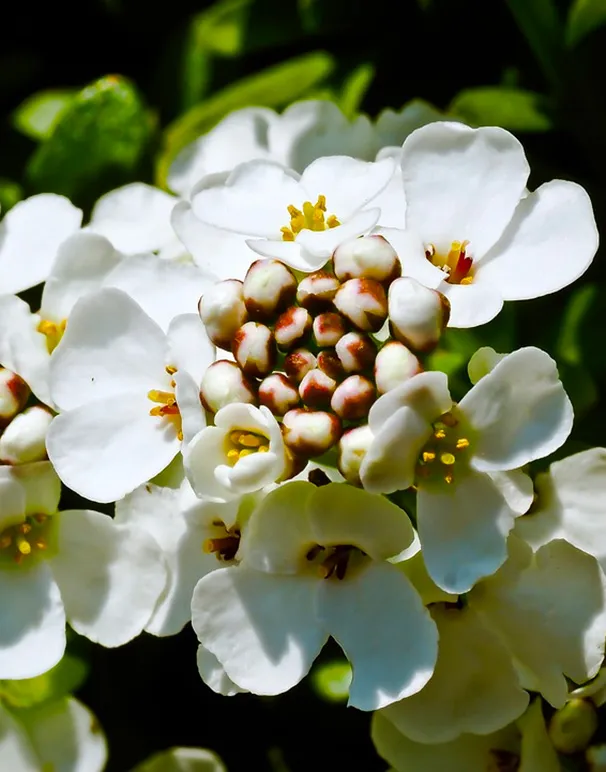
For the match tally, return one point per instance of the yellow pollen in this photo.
(53, 332)
(180, 435)
(170, 369)
(462, 443)
(246, 452)
(263, 449)
(25, 528)
(166, 406)
(250, 440)
(164, 397)
(233, 455)
(439, 434)
(429, 456)
(41, 544)
(23, 545)
(447, 459)
(312, 217)
(241, 443)
(448, 478)
(456, 262)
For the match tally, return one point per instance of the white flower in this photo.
(30, 235)
(314, 564)
(127, 392)
(465, 458)
(241, 453)
(79, 565)
(473, 231)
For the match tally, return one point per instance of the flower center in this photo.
(240, 443)
(166, 402)
(25, 540)
(444, 452)
(313, 217)
(503, 761)
(333, 561)
(225, 543)
(457, 263)
(53, 332)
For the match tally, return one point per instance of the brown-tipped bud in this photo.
(417, 315)
(317, 388)
(278, 394)
(356, 352)
(24, 439)
(310, 432)
(329, 362)
(369, 257)
(351, 451)
(329, 328)
(352, 398)
(317, 291)
(292, 326)
(573, 725)
(394, 365)
(269, 288)
(14, 393)
(222, 310)
(298, 363)
(254, 349)
(363, 302)
(224, 383)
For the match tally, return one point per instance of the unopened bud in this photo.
(329, 362)
(352, 398)
(369, 257)
(417, 314)
(572, 726)
(394, 364)
(278, 394)
(24, 439)
(317, 291)
(14, 393)
(356, 352)
(269, 288)
(298, 363)
(292, 326)
(254, 349)
(224, 383)
(310, 432)
(482, 362)
(329, 328)
(363, 302)
(223, 311)
(317, 388)
(351, 451)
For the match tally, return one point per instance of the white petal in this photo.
(291, 253)
(41, 486)
(32, 622)
(110, 576)
(104, 450)
(30, 235)
(426, 393)
(202, 457)
(463, 531)
(472, 304)
(322, 244)
(16, 750)
(110, 347)
(189, 346)
(516, 488)
(262, 628)
(473, 689)
(391, 201)
(386, 633)
(462, 183)
(411, 251)
(549, 243)
(515, 425)
(537, 751)
(213, 675)
(193, 416)
(12, 499)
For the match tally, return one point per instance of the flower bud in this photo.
(298, 363)
(329, 362)
(363, 303)
(417, 315)
(317, 388)
(352, 398)
(222, 310)
(351, 451)
(24, 439)
(310, 432)
(394, 365)
(317, 291)
(269, 288)
(278, 394)
(292, 326)
(14, 393)
(356, 352)
(329, 328)
(572, 726)
(254, 349)
(224, 383)
(369, 257)
(482, 362)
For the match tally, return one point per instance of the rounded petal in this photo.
(213, 675)
(189, 346)
(385, 631)
(462, 183)
(289, 252)
(110, 576)
(473, 688)
(411, 251)
(548, 244)
(516, 487)
(30, 235)
(104, 450)
(262, 628)
(16, 750)
(392, 203)
(514, 426)
(463, 531)
(322, 244)
(472, 304)
(426, 393)
(32, 622)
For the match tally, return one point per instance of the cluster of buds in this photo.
(308, 351)
(23, 437)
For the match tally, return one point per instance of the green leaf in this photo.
(10, 194)
(540, 24)
(584, 17)
(63, 679)
(331, 680)
(98, 140)
(37, 116)
(355, 88)
(570, 343)
(510, 108)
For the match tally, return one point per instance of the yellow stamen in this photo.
(447, 459)
(41, 544)
(263, 449)
(23, 545)
(235, 436)
(462, 443)
(448, 478)
(53, 332)
(439, 434)
(246, 452)
(250, 440)
(429, 456)
(25, 528)
(164, 397)
(180, 435)
(311, 217)
(170, 369)
(233, 455)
